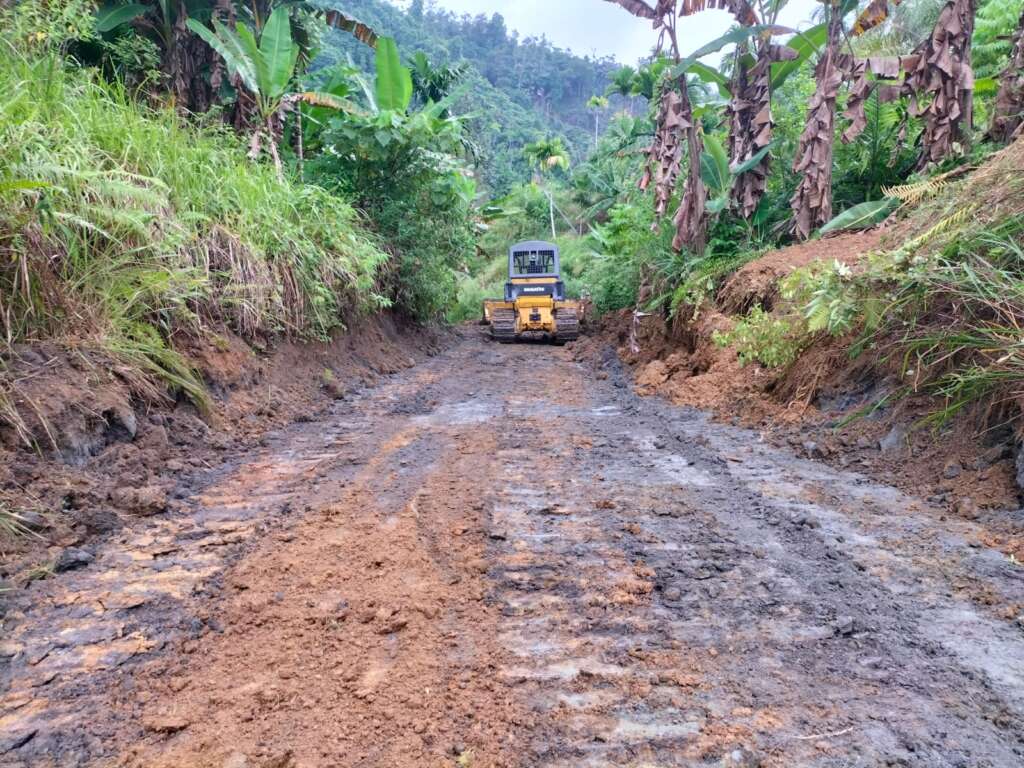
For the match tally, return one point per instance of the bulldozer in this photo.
(534, 305)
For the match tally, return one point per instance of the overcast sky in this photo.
(597, 27)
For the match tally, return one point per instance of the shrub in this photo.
(760, 337)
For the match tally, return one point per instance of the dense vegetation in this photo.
(125, 221)
(282, 168)
(832, 157)
(516, 90)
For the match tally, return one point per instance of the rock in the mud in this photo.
(966, 508)
(98, 520)
(145, 502)
(154, 439)
(12, 741)
(33, 521)
(844, 626)
(334, 389)
(236, 760)
(165, 723)
(741, 758)
(72, 558)
(814, 450)
(952, 469)
(896, 440)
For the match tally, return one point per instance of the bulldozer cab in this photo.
(534, 269)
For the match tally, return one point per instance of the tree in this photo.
(675, 121)
(266, 68)
(597, 104)
(1008, 112)
(622, 85)
(812, 201)
(545, 155)
(940, 71)
(937, 77)
(432, 83)
(749, 111)
(192, 69)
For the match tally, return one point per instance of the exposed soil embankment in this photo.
(109, 446)
(828, 404)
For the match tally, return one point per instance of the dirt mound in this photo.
(757, 283)
(108, 446)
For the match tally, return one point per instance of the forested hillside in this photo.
(515, 90)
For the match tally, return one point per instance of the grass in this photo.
(121, 225)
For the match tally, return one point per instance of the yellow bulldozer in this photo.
(534, 305)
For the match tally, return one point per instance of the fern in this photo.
(911, 194)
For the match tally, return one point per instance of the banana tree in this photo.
(938, 73)
(749, 111)
(192, 69)
(1009, 105)
(675, 123)
(266, 68)
(812, 201)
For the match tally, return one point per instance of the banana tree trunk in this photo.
(1009, 107)
(752, 113)
(941, 73)
(184, 62)
(691, 219)
(812, 201)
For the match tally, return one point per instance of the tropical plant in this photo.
(545, 156)
(622, 82)
(812, 201)
(597, 105)
(1008, 112)
(266, 69)
(433, 83)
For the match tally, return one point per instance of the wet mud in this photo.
(503, 557)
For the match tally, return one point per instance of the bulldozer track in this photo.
(567, 324)
(503, 325)
(502, 558)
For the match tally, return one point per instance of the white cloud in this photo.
(600, 28)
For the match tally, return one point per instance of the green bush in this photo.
(760, 337)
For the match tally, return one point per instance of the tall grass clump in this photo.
(121, 224)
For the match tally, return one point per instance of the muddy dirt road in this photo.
(502, 557)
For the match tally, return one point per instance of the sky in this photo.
(600, 28)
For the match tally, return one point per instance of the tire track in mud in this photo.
(501, 559)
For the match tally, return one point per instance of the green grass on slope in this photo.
(120, 224)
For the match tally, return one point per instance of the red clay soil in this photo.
(111, 446)
(756, 283)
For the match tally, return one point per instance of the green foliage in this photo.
(515, 90)
(829, 298)
(266, 68)
(393, 87)
(123, 224)
(404, 170)
(994, 24)
(763, 338)
(860, 216)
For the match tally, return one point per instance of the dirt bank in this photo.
(828, 404)
(460, 567)
(110, 448)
